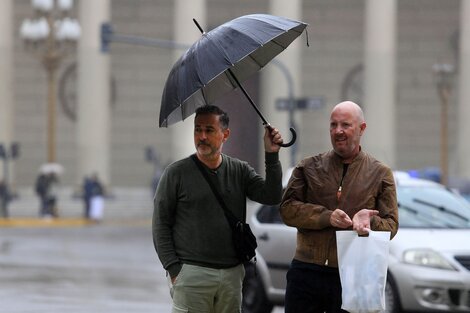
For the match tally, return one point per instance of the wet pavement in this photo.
(109, 267)
(55, 266)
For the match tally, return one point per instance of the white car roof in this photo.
(285, 177)
(404, 179)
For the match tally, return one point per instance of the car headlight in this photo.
(428, 258)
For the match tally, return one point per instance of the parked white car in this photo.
(429, 263)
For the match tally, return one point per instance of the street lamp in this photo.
(51, 34)
(444, 74)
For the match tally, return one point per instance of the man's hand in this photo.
(340, 219)
(361, 221)
(272, 139)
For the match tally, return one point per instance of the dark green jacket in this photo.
(189, 226)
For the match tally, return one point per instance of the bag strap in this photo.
(231, 218)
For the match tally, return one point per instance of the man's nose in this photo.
(338, 130)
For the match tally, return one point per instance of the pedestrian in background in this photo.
(41, 187)
(345, 188)
(87, 191)
(4, 199)
(190, 231)
(96, 199)
(52, 194)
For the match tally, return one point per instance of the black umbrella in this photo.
(221, 59)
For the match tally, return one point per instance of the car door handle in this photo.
(264, 236)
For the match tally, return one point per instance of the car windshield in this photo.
(432, 207)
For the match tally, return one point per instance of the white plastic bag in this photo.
(362, 263)
(96, 208)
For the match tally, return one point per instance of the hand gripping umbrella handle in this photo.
(293, 139)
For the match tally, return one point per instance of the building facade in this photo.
(404, 127)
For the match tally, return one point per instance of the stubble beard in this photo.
(207, 151)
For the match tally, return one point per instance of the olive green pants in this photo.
(207, 290)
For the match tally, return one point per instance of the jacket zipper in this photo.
(338, 196)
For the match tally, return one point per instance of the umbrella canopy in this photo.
(221, 59)
(51, 168)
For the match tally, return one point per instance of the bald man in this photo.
(345, 188)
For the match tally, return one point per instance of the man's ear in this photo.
(362, 127)
(226, 134)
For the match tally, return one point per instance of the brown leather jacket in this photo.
(311, 197)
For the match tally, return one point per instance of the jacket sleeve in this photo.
(162, 223)
(387, 220)
(296, 211)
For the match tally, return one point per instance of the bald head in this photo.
(352, 108)
(346, 128)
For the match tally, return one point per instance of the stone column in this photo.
(275, 84)
(379, 80)
(463, 148)
(6, 79)
(186, 32)
(93, 109)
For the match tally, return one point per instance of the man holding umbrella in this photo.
(190, 231)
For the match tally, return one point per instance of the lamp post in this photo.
(51, 34)
(444, 75)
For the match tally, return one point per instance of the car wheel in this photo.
(254, 295)
(392, 300)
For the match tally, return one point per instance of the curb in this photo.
(69, 222)
(44, 222)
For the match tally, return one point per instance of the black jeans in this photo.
(312, 288)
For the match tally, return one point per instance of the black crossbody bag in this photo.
(243, 238)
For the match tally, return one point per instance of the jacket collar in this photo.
(337, 159)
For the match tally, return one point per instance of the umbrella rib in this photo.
(254, 60)
(203, 93)
(274, 41)
(290, 30)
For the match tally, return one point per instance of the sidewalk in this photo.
(110, 267)
(71, 264)
(122, 204)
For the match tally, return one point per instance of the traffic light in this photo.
(106, 35)
(12, 154)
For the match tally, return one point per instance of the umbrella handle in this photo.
(293, 139)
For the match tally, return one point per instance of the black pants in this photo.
(312, 289)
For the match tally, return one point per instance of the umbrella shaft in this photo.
(198, 26)
(265, 122)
